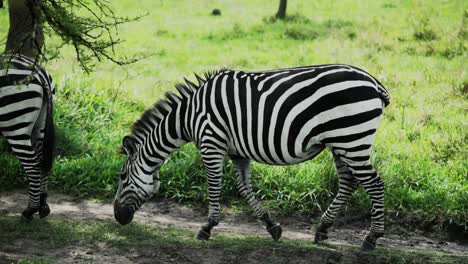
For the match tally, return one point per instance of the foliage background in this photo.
(417, 49)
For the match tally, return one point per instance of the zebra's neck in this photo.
(169, 124)
(166, 136)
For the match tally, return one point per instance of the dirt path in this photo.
(171, 214)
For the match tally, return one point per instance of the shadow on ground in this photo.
(163, 232)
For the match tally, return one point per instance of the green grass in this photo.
(417, 49)
(143, 240)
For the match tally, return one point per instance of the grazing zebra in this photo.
(277, 117)
(26, 121)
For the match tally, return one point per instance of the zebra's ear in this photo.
(128, 146)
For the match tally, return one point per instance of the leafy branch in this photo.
(90, 26)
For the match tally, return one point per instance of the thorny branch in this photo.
(92, 34)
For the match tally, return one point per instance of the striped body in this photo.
(287, 116)
(276, 117)
(26, 119)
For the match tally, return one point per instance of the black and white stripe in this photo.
(26, 122)
(276, 117)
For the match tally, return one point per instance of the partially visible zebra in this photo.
(26, 121)
(277, 117)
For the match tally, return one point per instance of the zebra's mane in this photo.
(153, 115)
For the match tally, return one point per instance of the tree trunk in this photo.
(1, 3)
(26, 35)
(282, 9)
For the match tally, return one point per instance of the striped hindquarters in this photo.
(26, 110)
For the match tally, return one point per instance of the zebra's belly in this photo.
(309, 154)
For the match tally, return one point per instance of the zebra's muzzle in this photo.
(122, 214)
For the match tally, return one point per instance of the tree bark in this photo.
(281, 14)
(25, 35)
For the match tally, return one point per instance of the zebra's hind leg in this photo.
(375, 187)
(242, 168)
(365, 174)
(33, 171)
(44, 209)
(34, 175)
(21, 145)
(347, 186)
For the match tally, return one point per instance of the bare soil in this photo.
(348, 231)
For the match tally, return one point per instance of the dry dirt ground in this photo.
(165, 213)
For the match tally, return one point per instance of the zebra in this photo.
(276, 117)
(26, 121)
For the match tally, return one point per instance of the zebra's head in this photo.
(136, 184)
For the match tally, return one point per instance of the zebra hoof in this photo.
(203, 235)
(369, 242)
(321, 233)
(275, 231)
(25, 219)
(367, 246)
(320, 236)
(27, 214)
(44, 211)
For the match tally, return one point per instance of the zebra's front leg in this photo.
(38, 139)
(242, 168)
(213, 162)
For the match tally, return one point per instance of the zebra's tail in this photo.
(383, 93)
(48, 145)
